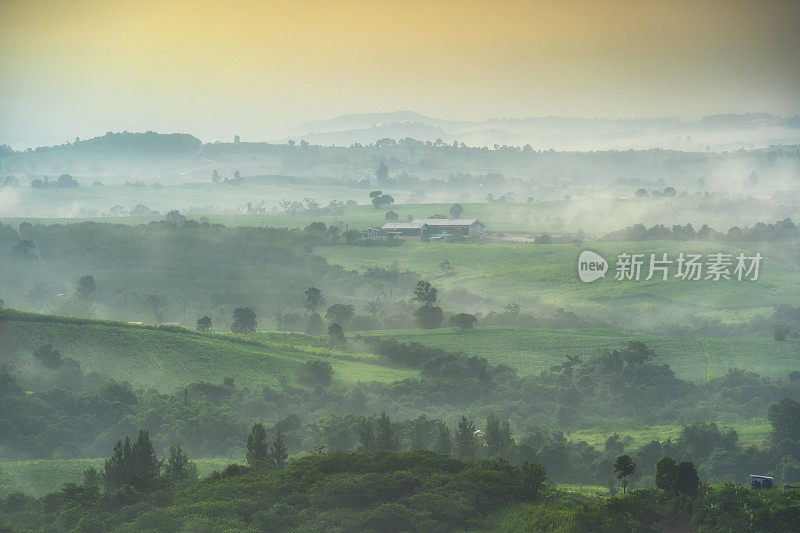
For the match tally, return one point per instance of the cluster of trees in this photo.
(379, 491)
(379, 199)
(781, 230)
(64, 181)
(191, 254)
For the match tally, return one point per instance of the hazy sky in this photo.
(216, 68)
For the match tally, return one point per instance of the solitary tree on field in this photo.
(244, 320)
(428, 316)
(257, 446)
(86, 287)
(314, 299)
(204, 324)
(456, 210)
(447, 268)
(624, 466)
(425, 293)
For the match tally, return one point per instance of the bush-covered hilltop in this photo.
(379, 492)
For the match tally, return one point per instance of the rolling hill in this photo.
(168, 358)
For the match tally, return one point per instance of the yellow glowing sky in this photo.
(215, 68)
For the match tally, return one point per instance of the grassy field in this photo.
(42, 476)
(530, 351)
(755, 431)
(168, 360)
(545, 276)
(595, 216)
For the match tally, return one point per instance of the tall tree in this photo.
(447, 268)
(86, 287)
(686, 479)
(456, 210)
(278, 450)
(665, 474)
(498, 435)
(418, 437)
(178, 468)
(384, 436)
(244, 320)
(424, 293)
(366, 435)
(444, 442)
(257, 446)
(624, 466)
(204, 324)
(465, 439)
(314, 299)
(116, 470)
(134, 464)
(784, 416)
(146, 466)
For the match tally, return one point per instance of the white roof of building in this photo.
(403, 225)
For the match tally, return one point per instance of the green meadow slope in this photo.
(167, 359)
(530, 351)
(542, 278)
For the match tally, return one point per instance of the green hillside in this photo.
(530, 351)
(169, 358)
(544, 277)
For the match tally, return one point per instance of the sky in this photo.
(219, 68)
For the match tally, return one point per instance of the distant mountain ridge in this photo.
(714, 132)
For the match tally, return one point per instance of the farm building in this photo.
(434, 226)
(403, 229)
(456, 226)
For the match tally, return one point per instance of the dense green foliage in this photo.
(338, 491)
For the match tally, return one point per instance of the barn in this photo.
(434, 226)
(403, 229)
(454, 226)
